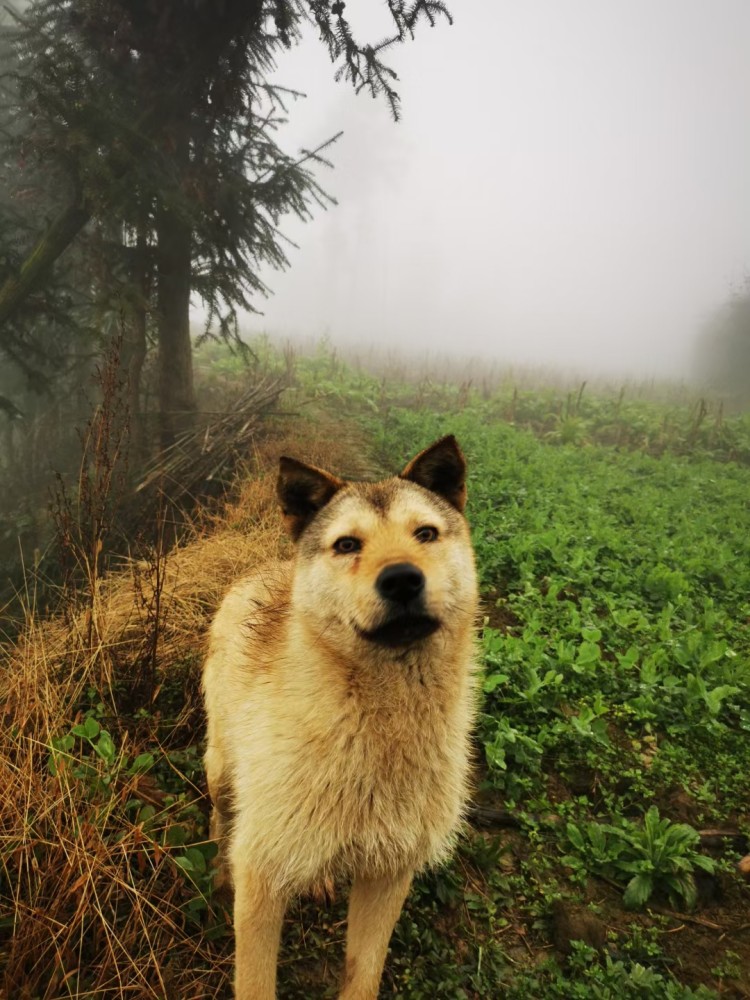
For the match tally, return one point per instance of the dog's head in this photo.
(382, 565)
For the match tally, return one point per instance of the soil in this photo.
(709, 946)
(499, 615)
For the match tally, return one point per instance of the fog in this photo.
(568, 186)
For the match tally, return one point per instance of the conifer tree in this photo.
(159, 118)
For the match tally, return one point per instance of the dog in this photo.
(340, 691)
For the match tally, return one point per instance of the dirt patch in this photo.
(499, 616)
(717, 956)
(709, 947)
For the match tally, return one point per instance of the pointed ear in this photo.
(440, 468)
(302, 491)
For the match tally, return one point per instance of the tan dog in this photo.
(340, 692)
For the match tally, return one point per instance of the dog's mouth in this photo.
(401, 630)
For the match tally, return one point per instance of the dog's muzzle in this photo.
(401, 586)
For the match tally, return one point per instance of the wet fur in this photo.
(330, 756)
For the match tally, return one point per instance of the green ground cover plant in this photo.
(617, 658)
(654, 855)
(613, 742)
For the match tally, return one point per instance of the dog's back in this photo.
(340, 687)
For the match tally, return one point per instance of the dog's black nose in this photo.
(400, 583)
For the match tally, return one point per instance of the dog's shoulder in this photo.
(267, 584)
(254, 610)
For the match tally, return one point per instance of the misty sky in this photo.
(569, 185)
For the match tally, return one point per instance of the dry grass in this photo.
(92, 900)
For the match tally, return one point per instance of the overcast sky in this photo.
(569, 185)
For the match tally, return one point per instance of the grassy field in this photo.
(613, 748)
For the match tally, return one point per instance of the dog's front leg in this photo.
(374, 907)
(258, 915)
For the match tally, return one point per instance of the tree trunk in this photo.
(175, 357)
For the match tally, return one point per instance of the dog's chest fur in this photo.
(356, 767)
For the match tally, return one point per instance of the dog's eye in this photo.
(346, 545)
(426, 533)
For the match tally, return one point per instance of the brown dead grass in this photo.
(92, 902)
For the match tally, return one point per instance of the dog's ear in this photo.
(302, 490)
(440, 468)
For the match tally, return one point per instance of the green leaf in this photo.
(599, 731)
(175, 836)
(575, 837)
(597, 837)
(496, 756)
(197, 860)
(638, 891)
(682, 889)
(704, 863)
(105, 747)
(588, 653)
(715, 698)
(196, 905)
(92, 727)
(143, 762)
(146, 814)
(209, 850)
(64, 743)
(494, 680)
(591, 634)
(651, 821)
(88, 729)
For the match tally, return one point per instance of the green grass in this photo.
(617, 652)
(612, 537)
(625, 580)
(613, 543)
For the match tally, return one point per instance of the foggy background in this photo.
(568, 186)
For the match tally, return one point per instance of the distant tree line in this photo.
(723, 355)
